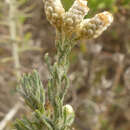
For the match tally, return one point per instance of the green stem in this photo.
(59, 82)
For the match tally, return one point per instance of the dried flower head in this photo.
(92, 28)
(73, 20)
(54, 12)
(75, 15)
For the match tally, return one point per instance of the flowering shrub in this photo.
(70, 26)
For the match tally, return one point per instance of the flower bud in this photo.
(92, 28)
(54, 12)
(76, 13)
(68, 114)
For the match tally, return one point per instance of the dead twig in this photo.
(10, 115)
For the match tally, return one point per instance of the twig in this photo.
(119, 71)
(13, 34)
(9, 116)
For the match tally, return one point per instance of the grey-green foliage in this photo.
(54, 117)
(33, 91)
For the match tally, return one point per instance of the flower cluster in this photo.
(54, 12)
(73, 20)
(75, 15)
(92, 28)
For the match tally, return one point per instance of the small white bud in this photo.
(68, 108)
(69, 21)
(68, 114)
(50, 9)
(54, 15)
(90, 31)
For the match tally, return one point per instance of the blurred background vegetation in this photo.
(100, 68)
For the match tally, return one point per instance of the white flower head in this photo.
(54, 12)
(92, 28)
(75, 15)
